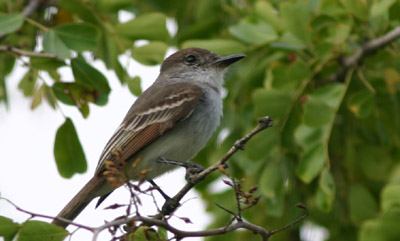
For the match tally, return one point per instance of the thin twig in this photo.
(17, 51)
(172, 204)
(180, 233)
(361, 53)
(31, 7)
(46, 216)
(299, 205)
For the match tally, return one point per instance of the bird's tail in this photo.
(79, 202)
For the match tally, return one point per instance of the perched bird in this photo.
(172, 120)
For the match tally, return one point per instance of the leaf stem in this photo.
(37, 24)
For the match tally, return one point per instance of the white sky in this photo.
(28, 174)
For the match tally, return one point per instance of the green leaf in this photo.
(361, 103)
(28, 82)
(356, 7)
(308, 137)
(52, 44)
(37, 97)
(48, 64)
(144, 234)
(374, 162)
(394, 10)
(275, 206)
(271, 181)
(361, 203)
(110, 6)
(391, 198)
(270, 15)
(219, 46)
(134, 85)
(150, 54)
(78, 36)
(87, 75)
(10, 23)
(77, 94)
(68, 152)
(326, 191)
(151, 26)
(50, 96)
(311, 163)
(110, 47)
(288, 77)
(330, 94)
(380, 8)
(257, 32)
(62, 92)
(270, 102)
(262, 144)
(162, 233)
(383, 228)
(289, 41)
(316, 112)
(8, 229)
(320, 106)
(338, 34)
(392, 79)
(297, 18)
(41, 231)
(81, 8)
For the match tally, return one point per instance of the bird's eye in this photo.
(191, 59)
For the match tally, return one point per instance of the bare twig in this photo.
(180, 233)
(32, 214)
(31, 7)
(299, 205)
(361, 53)
(26, 53)
(173, 203)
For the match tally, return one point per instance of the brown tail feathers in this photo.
(79, 202)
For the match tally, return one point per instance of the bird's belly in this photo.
(181, 143)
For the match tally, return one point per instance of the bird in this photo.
(172, 120)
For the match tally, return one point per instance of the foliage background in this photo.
(335, 142)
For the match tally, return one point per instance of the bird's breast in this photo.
(186, 139)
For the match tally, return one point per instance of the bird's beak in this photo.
(227, 60)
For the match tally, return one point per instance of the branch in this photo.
(45, 216)
(179, 234)
(184, 234)
(26, 53)
(32, 6)
(172, 204)
(362, 52)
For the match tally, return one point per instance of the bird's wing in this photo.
(153, 113)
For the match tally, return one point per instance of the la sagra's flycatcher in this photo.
(172, 120)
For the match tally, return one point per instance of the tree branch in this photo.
(32, 214)
(26, 53)
(172, 204)
(31, 7)
(368, 47)
(179, 234)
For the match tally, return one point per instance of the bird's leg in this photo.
(165, 196)
(192, 169)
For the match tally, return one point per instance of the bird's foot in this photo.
(192, 169)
